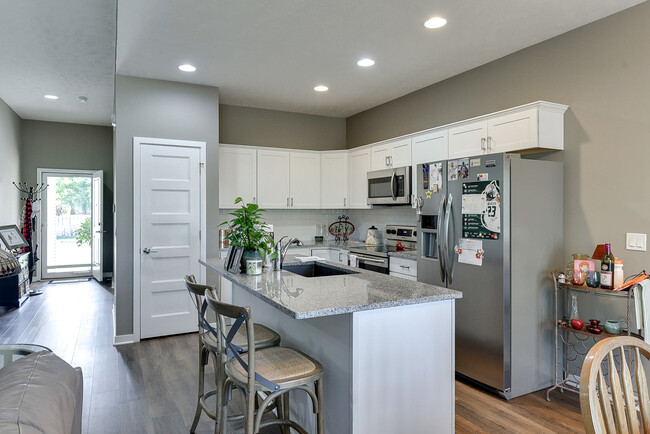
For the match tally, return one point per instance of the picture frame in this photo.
(233, 260)
(12, 237)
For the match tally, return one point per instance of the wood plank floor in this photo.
(151, 386)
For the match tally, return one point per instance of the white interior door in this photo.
(97, 221)
(169, 246)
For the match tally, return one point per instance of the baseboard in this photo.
(123, 340)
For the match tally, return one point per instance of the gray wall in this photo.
(56, 145)
(161, 109)
(261, 127)
(10, 204)
(601, 72)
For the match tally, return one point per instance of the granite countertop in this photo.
(329, 244)
(311, 297)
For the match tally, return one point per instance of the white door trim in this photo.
(137, 143)
(39, 214)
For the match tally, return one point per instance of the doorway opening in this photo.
(70, 222)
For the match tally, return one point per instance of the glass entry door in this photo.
(67, 226)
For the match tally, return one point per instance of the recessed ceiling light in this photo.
(83, 99)
(187, 68)
(51, 97)
(321, 88)
(366, 62)
(435, 22)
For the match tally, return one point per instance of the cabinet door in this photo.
(334, 180)
(325, 253)
(358, 186)
(304, 184)
(273, 179)
(380, 156)
(468, 139)
(401, 153)
(512, 132)
(342, 257)
(237, 175)
(428, 147)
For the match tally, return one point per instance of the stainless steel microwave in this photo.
(389, 186)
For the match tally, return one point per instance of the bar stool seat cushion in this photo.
(264, 338)
(280, 365)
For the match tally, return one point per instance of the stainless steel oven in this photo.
(372, 262)
(389, 186)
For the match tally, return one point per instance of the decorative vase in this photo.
(249, 254)
(577, 324)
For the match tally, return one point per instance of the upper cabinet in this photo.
(334, 179)
(237, 175)
(273, 179)
(305, 180)
(288, 179)
(428, 147)
(358, 179)
(395, 153)
(533, 126)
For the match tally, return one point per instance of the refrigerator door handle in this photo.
(441, 241)
(449, 238)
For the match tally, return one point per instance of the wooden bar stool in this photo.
(265, 338)
(273, 371)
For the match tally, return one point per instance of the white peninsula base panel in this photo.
(386, 370)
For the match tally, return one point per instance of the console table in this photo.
(14, 289)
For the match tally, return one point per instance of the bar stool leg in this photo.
(286, 412)
(197, 414)
(320, 417)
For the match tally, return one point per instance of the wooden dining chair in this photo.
(273, 372)
(208, 343)
(613, 408)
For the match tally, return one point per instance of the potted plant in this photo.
(249, 231)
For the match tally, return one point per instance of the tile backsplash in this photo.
(302, 223)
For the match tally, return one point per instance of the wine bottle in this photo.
(607, 268)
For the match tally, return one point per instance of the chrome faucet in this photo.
(282, 251)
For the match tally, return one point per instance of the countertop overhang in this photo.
(312, 297)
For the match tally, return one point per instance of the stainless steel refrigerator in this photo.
(491, 227)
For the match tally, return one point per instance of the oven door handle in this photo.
(392, 186)
(367, 259)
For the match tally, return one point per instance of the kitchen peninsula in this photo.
(386, 344)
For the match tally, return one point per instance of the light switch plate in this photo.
(635, 242)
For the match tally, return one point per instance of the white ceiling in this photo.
(262, 53)
(65, 48)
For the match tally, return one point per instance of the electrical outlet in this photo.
(635, 242)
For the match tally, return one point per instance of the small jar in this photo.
(254, 266)
(619, 276)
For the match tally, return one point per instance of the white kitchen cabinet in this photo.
(237, 175)
(273, 179)
(323, 252)
(403, 267)
(358, 178)
(534, 126)
(468, 139)
(304, 180)
(428, 147)
(334, 180)
(396, 153)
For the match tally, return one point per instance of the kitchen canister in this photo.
(254, 267)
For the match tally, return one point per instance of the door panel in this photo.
(97, 220)
(512, 132)
(305, 180)
(480, 315)
(170, 221)
(273, 179)
(466, 139)
(358, 178)
(237, 175)
(334, 180)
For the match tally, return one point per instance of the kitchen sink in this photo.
(316, 270)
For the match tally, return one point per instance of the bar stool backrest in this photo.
(243, 315)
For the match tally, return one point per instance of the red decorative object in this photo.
(577, 324)
(341, 228)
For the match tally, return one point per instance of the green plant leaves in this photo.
(247, 229)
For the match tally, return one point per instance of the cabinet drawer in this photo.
(403, 266)
(404, 276)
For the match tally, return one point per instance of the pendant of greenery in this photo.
(248, 230)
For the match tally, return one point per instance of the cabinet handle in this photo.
(405, 266)
(483, 147)
(254, 199)
(490, 144)
(292, 201)
(345, 202)
(391, 161)
(287, 202)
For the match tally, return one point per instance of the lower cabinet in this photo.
(339, 256)
(404, 268)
